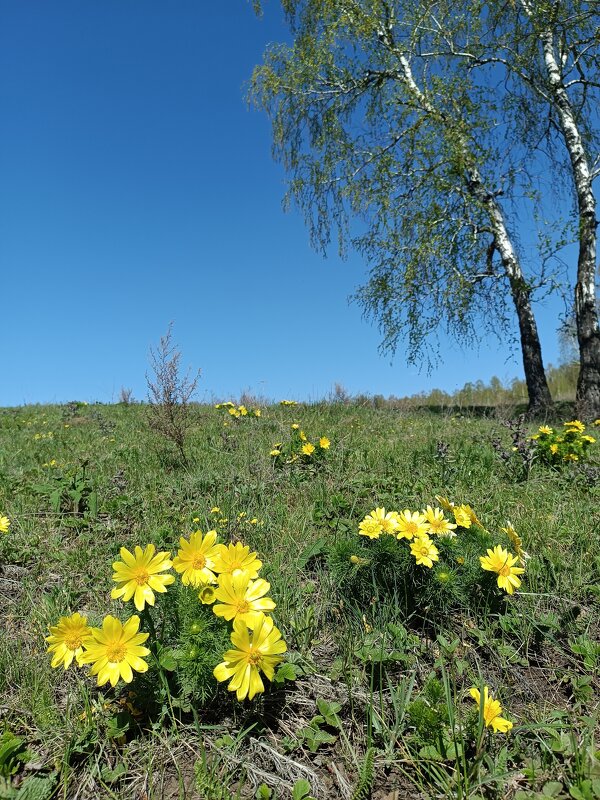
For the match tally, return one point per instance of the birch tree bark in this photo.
(586, 315)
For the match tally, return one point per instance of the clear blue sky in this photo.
(138, 188)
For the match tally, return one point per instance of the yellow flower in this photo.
(256, 652)
(545, 430)
(4, 524)
(324, 443)
(587, 438)
(275, 452)
(438, 523)
(501, 561)
(462, 516)
(215, 510)
(424, 550)
(257, 412)
(207, 595)
(491, 711)
(295, 426)
(303, 436)
(115, 650)
(66, 640)
(195, 520)
(446, 504)
(410, 524)
(575, 425)
(242, 598)
(554, 449)
(195, 559)
(308, 449)
(138, 576)
(596, 422)
(234, 558)
(370, 527)
(388, 521)
(358, 561)
(571, 457)
(516, 542)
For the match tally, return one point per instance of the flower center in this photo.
(411, 527)
(243, 607)
(424, 550)
(504, 571)
(74, 642)
(141, 577)
(254, 656)
(115, 652)
(199, 562)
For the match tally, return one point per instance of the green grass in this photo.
(398, 678)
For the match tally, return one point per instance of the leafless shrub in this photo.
(125, 396)
(169, 394)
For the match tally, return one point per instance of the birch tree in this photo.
(391, 143)
(552, 51)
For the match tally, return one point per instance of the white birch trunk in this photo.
(586, 315)
(533, 365)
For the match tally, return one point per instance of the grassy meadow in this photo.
(373, 698)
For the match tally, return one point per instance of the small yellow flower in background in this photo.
(253, 521)
(462, 516)
(501, 561)
(554, 449)
(491, 711)
(596, 422)
(303, 436)
(571, 457)
(256, 652)
(275, 452)
(411, 524)
(234, 558)
(138, 576)
(587, 438)
(207, 595)
(424, 550)
(460, 560)
(215, 510)
(195, 520)
(66, 640)
(324, 443)
(545, 429)
(575, 425)
(437, 522)
(308, 449)
(288, 403)
(234, 412)
(242, 598)
(195, 559)
(243, 411)
(257, 412)
(4, 524)
(115, 650)
(516, 542)
(295, 426)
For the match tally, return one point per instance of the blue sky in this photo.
(138, 188)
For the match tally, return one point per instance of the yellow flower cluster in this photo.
(239, 411)
(288, 403)
(39, 436)
(417, 527)
(4, 524)
(299, 448)
(226, 577)
(558, 447)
